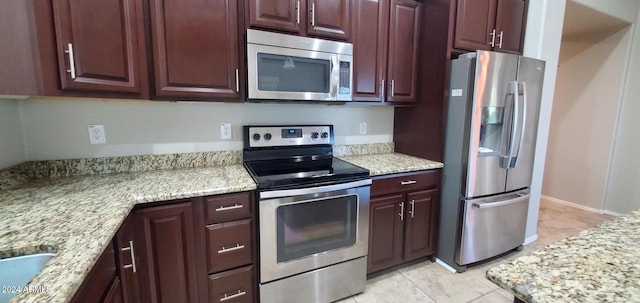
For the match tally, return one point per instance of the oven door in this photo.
(291, 74)
(310, 228)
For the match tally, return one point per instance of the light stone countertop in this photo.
(77, 217)
(75, 207)
(391, 163)
(601, 264)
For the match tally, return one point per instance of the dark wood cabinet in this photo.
(197, 50)
(167, 248)
(101, 284)
(97, 45)
(386, 36)
(402, 223)
(497, 25)
(320, 18)
(128, 262)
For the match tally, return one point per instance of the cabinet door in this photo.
(370, 29)
(403, 50)
(196, 52)
(386, 222)
(475, 22)
(510, 25)
(329, 18)
(276, 14)
(98, 45)
(420, 226)
(129, 266)
(167, 256)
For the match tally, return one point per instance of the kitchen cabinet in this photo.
(403, 218)
(197, 50)
(230, 243)
(319, 18)
(74, 48)
(128, 264)
(167, 247)
(497, 25)
(386, 37)
(102, 283)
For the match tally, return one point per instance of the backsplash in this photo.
(32, 170)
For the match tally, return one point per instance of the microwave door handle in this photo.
(523, 119)
(335, 76)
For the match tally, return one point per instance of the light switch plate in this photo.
(96, 134)
(225, 131)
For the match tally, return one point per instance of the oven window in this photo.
(293, 74)
(318, 226)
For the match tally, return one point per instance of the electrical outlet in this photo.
(363, 127)
(225, 131)
(96, 134)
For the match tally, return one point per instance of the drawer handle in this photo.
(224, 208)
(226, 250)
(238, 294)
(408, 182)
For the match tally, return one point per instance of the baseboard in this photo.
(530, 239)
(612, 213)
(446, 266)
(575, 205)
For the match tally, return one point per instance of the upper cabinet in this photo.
(497, 25)
(197, 52)
(386, 38)
(320, 18)
(97, 45)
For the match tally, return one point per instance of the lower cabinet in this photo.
(102, 283)
(403, 218)
(167, 252)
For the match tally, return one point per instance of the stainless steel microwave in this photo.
(286, 67)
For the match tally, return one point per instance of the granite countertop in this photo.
(391, 163)
(77, 217)
(75, 207)
(601, 264)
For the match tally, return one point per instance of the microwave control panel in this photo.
(344, 87)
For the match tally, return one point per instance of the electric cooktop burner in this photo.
(288, 157)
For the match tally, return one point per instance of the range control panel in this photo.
(289, 135)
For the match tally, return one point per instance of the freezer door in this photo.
(492, 226)
(529, 88)
(490, 130)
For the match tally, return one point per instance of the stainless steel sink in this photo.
(16, 272)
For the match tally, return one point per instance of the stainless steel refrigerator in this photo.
(492, 120)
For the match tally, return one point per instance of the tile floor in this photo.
(430, 282)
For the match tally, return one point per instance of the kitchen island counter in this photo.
(601, 264)
(77, 216)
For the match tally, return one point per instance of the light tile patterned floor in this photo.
(429, 282)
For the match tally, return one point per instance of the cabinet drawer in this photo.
(229, 245)
(234, 286)
(226, 208)
(405, 182)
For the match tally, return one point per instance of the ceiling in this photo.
(584, 24)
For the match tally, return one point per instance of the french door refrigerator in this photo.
(492, 121)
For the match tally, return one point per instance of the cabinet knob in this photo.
(133, 256)
(493, 38)
(72, 64)
(401, 211)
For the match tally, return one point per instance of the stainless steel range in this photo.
(313, 214)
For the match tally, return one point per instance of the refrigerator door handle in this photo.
(514, 121)
(524, 120)
(501, 203)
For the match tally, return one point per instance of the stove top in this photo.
(289, 157)
(299, 173)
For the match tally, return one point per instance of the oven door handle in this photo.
(312, 190)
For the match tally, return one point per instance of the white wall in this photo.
(57, 129)
(588, 93)
(11, 138)
(623, 190)
(542, 41)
